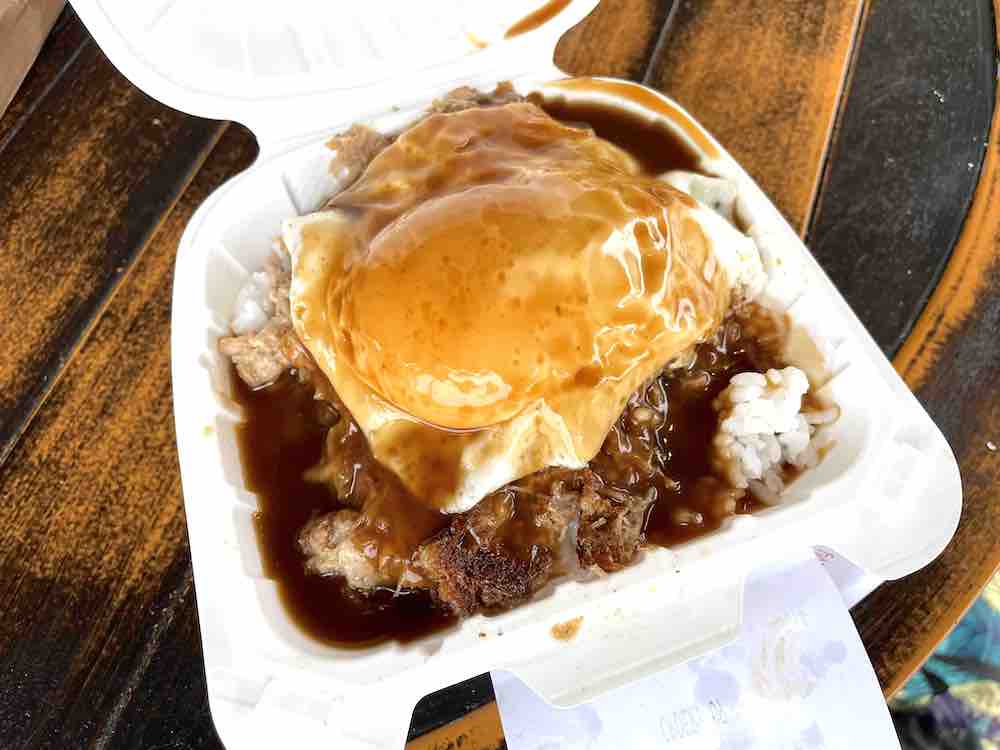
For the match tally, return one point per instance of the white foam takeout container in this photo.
(887, 495)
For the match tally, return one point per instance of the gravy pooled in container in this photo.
(509, 352)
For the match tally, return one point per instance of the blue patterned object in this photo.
(954, 701)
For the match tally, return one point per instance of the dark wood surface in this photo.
(914, 154)
(99, 644)
(907, 158)
(74, 214)
(765, 77)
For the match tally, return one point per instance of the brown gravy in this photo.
(283, 434)
(284, 430)
(642, 97)
(688, 502)
(536, 18)
(656, 148)
(281, 438)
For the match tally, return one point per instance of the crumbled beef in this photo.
(329, 547)
(355, 148)
(259, 357)
(611, 526)
(505, 549)
(262, 355)
(466, 97)
(616, 499)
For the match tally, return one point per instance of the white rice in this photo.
(762, 428)
(255, 299)
(253, 304)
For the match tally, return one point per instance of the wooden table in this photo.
(871, 124)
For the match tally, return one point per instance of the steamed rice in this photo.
(256, 300)
(763, 428)
(253, 304)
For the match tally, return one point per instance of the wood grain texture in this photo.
(952, 361)
(96, 602)
(906, 158)
(444, 706)
(617, 39)
(64, 43)
(98, 629)
(480, 729)
(88, 167)
(765, 77)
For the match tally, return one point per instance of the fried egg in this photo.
(488, 294)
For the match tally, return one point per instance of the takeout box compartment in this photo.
(886, 496)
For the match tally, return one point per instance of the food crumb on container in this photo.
(566, 631)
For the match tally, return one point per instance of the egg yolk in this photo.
(490, 291)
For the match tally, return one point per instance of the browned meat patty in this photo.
(611, 526)
(506, 548)
(502, 551)
(329, 549)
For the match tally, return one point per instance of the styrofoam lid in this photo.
(290, 67)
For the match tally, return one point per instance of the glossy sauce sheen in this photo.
(284, 429)
(282, 437)
(537, 18)
(655, 148)
(502, 245)
(640, 97)
(491, 290)
(679, 447)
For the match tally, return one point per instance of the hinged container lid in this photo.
(295, 67)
